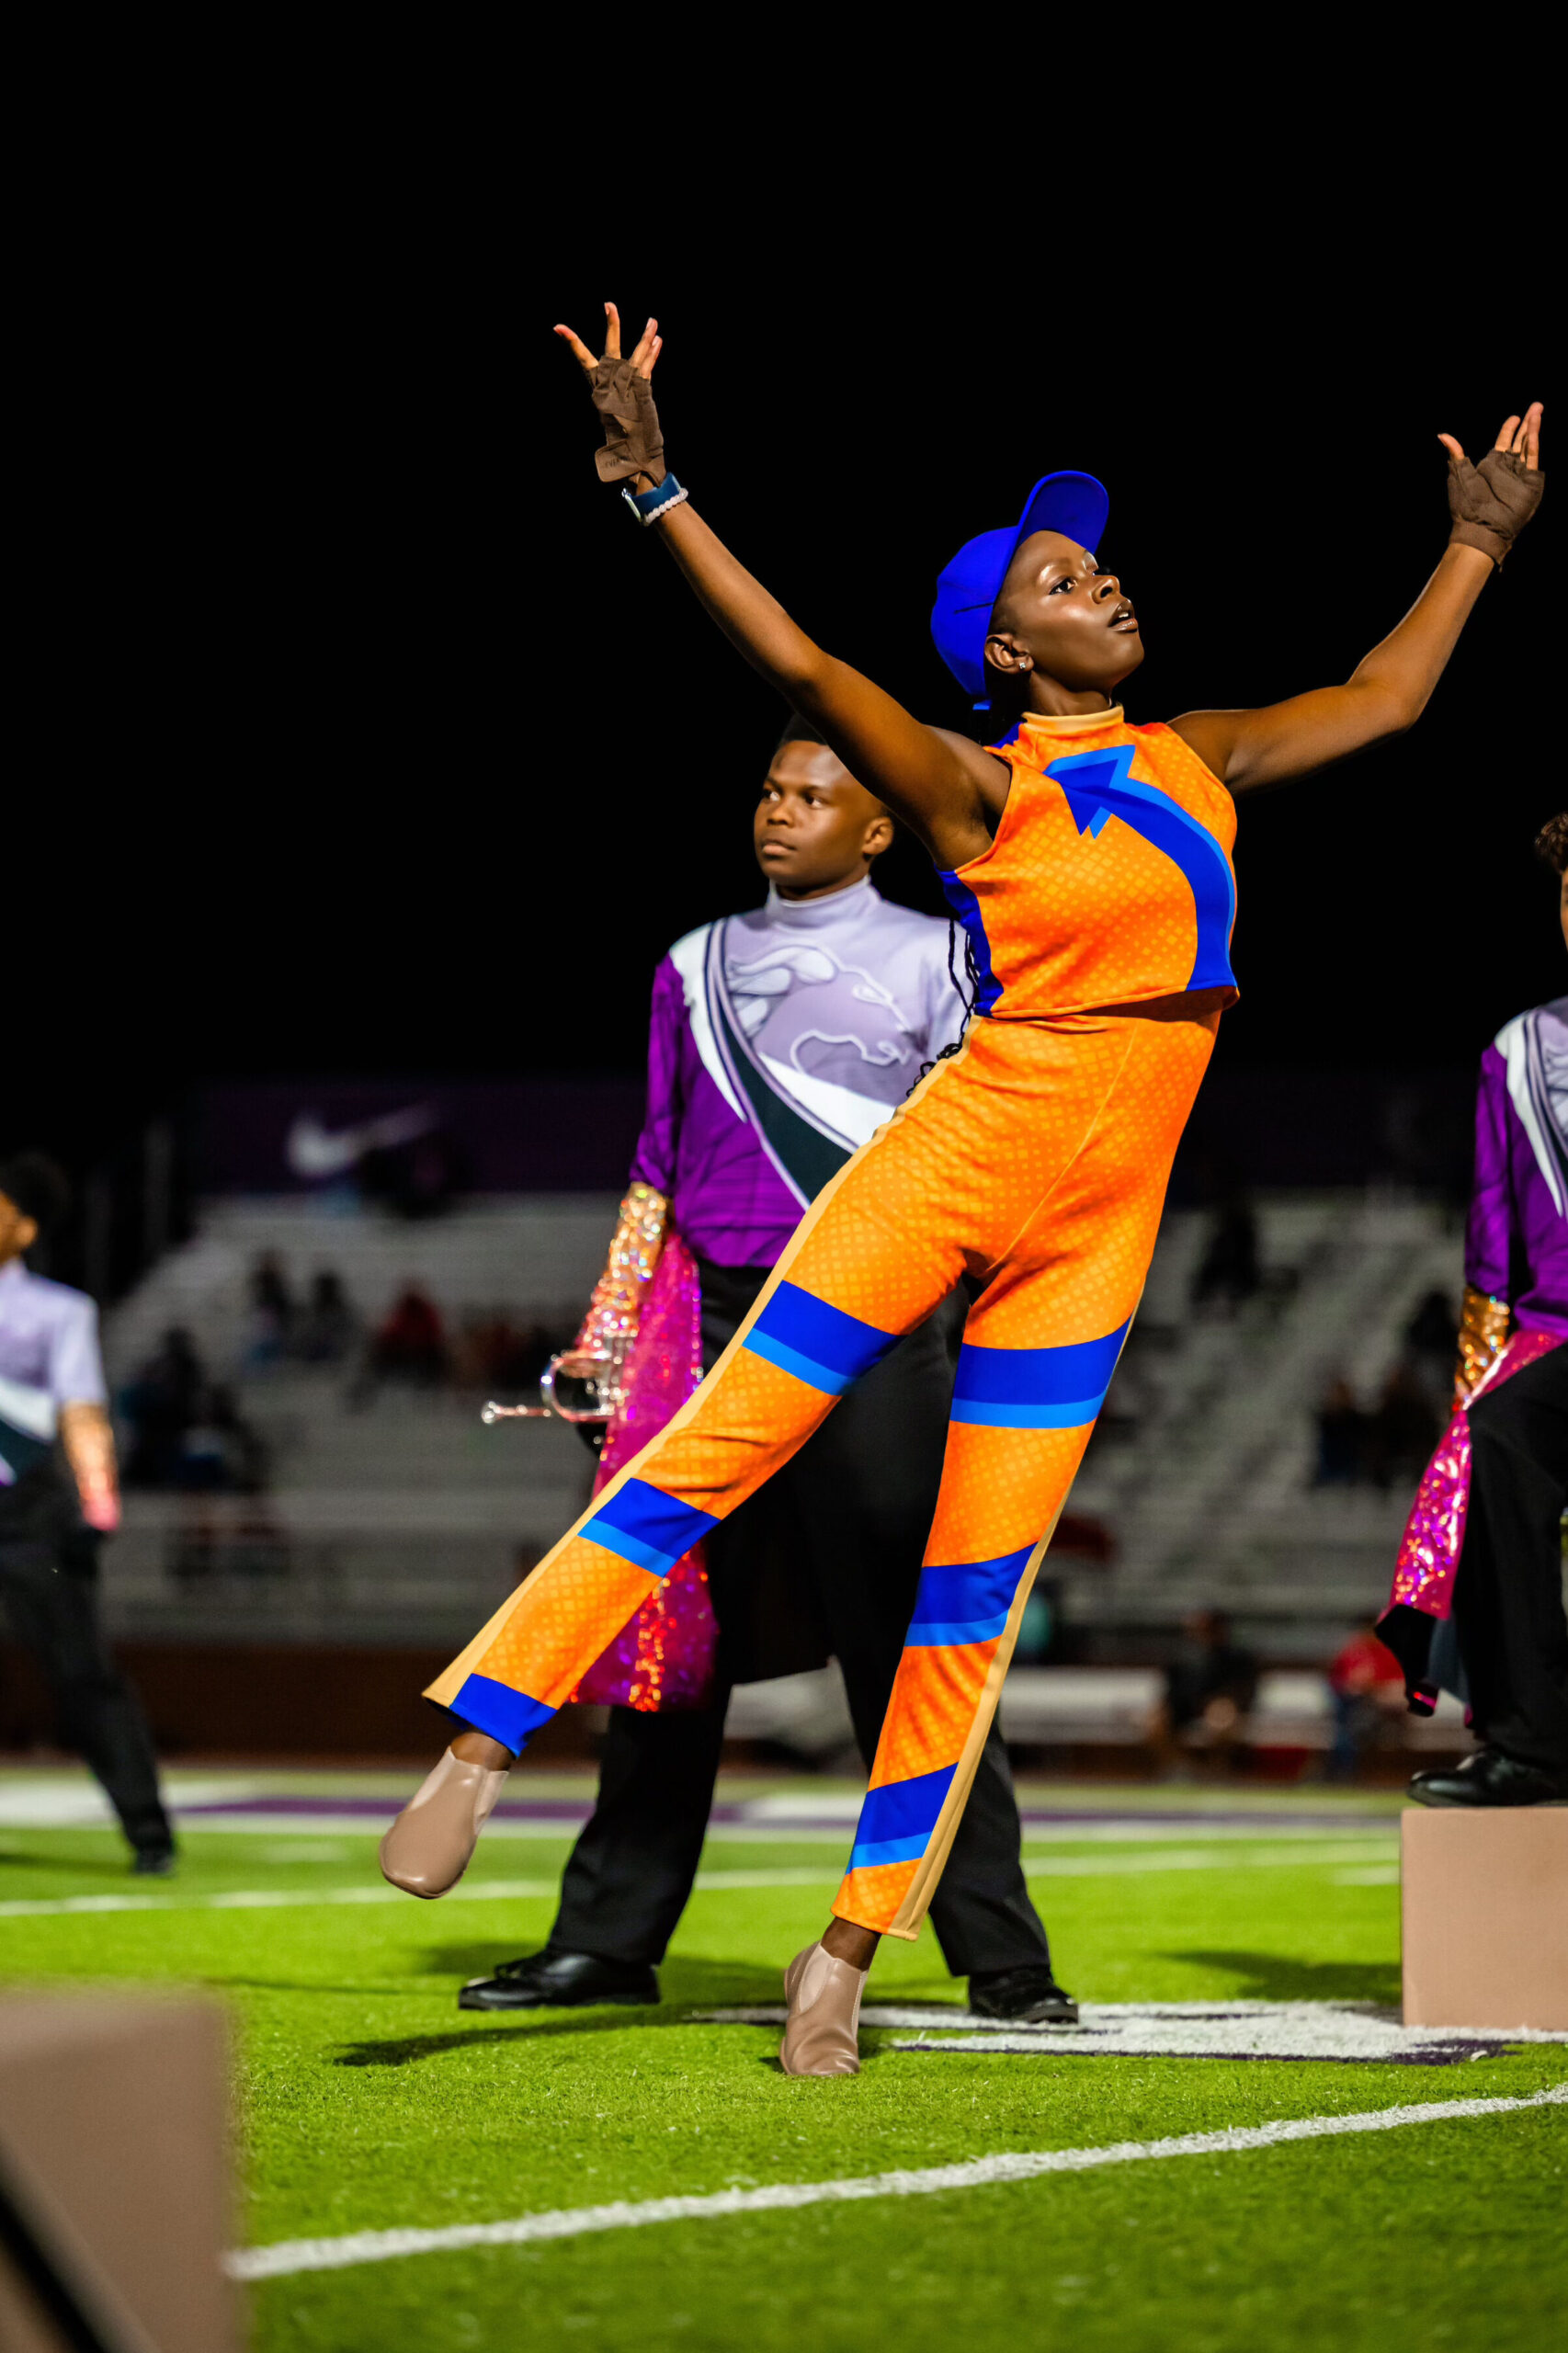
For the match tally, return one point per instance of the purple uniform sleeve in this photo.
(76, 1367)
(1489, 1235)
(654, 1162)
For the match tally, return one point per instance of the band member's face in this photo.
(18, 1231)
(1061, 614)
(815, 829)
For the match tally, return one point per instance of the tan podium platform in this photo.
(1486, 1906)
(115, 2196)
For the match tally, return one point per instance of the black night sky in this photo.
(373, 737)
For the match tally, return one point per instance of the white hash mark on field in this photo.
(280, 1899)
(1216, 2029)
(287, 2256)
(712, 1882)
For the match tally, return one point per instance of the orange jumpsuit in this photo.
(1035, 1162)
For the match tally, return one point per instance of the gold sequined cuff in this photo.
(611, 1324)
(1484, 1335)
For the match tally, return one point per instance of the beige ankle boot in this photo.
(821, 2034)
(430, 1845)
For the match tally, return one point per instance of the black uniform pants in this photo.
(1508, 1613)
(828, 1552)
(50, 1592)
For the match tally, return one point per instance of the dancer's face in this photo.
(1058, 614)
(815, 828)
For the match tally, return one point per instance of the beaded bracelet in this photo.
(648, 505)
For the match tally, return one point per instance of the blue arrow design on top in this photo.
(1097, 786)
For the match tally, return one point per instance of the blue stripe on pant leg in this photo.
(896, 1821)
(998, 1415)
(820, 1344)
(506, 1715)
(965, 1601)
(1035, 1389)
(645, 1525)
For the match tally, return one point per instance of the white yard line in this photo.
(1193, 1858)
(264, 1899)
(288, 2256)
(269, 1898)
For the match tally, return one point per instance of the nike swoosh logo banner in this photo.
(1097, 786)
(313, 1150)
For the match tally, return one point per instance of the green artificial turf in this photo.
(367, 2100)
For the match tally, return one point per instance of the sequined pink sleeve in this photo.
(664, 1656)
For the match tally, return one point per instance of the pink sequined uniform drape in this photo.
(1434, 1534)
(664, 1656)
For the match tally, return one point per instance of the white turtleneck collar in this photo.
(856, 899)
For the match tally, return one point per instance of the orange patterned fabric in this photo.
(1110, 879)
(1035, 1162)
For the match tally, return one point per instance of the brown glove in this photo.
(1491, 503)
(633, 443)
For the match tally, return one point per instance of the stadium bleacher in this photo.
(395, 1519)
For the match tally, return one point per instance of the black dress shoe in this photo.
(1028, 1995)
(1489, 1779)
(154, 1862)
(560, 1980)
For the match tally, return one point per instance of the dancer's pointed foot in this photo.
(429, 1846)
(822, 2033)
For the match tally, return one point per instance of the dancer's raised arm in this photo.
(938, 783)
(1490, 503)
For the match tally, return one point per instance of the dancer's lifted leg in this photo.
(1089, 862)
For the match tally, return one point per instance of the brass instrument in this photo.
(586, 1382)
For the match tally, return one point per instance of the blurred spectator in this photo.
(1403, 1431)
(325, 1329)
(1229, 1271)
(187, 1433)
(220, 1453)
(1431, 1340)
(160, 1404)
(270, 1312)
(1210, 1686)
(1365, 1683)
(411, 1345)
(494, 1355)
(1342, 1438)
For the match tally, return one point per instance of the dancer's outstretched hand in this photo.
(1492, 503)
(620, 391)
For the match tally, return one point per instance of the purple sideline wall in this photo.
(564, 1134)
(522, 1135)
